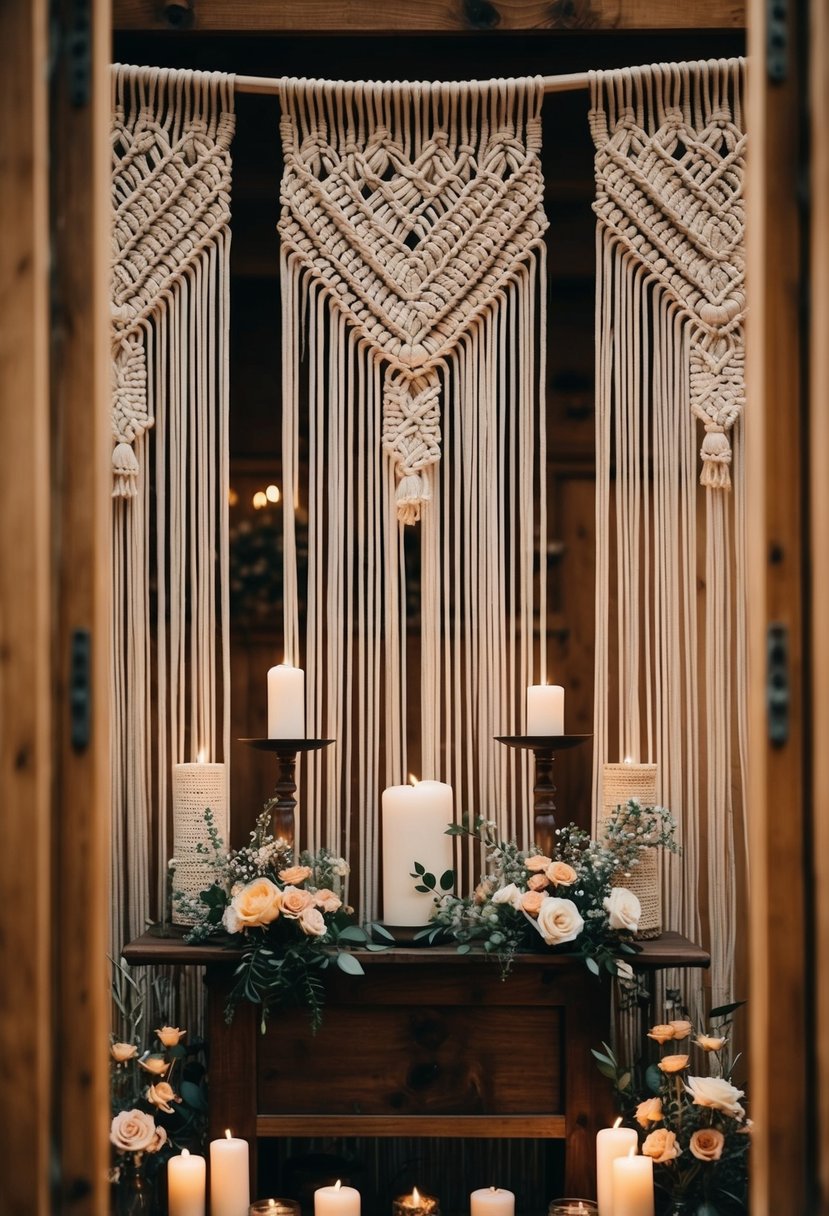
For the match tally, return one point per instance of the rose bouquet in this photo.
(288, 915)
(689, 1115)
(576, 900)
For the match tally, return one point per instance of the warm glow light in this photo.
(628, 759)
(416, 1196)
(337, 1185)
(228, 1133)
(232, 497)
(632, 1151)
(185, 1152)
(272, 493)
(260, 500)
(618, 1122)
(201, 757)
(413, 780)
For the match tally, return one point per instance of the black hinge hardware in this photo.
(79, 53)
(80, 689)
(778, 692)
(777, 40)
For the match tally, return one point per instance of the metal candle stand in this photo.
(544, 747)
(286, 751)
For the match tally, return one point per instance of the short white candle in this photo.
(611, 1142)
(492, 1201)
(415, 819)
(229, 1177)
(633, 1186)
(286, 702)
(186, 1185)
(337, 1200)
(545, 709)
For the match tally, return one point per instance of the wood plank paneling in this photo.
(25, 737)
(448, 1127)
(426, 16)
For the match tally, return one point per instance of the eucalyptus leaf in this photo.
(349, 964)
(423, 890)
(592, 965)
(378, 930)
(653, 1079)
(430, 881)
(447, 880)
(723, 1011)
(193, 1095)
(464, 948)
(352, 933)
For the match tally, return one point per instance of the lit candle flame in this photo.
(413, 780)
(618, 1122)
(228, 1133)
(416, 1196)
(632, 1151)
(202, 755)
(628, 759)
(337, 1185)
(185, 1152)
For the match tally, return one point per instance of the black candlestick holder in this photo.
(286, 752)
(544, 748)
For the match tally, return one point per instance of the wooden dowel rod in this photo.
(552, 84)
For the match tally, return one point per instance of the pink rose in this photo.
(537, 882)
(673, 1063)
(707, 1144)
(661, 1146)
(662, 1033)
(327, 900)
(295, 901)
(121, 1052)
(161, 1095)
(170, 1036)
(649, 1111)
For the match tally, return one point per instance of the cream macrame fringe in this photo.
(670, 152)
(170, 640)
(412, 269)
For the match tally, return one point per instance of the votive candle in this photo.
(416, 1204)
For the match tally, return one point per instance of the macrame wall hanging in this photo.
(412, 267)
(171, 172)
(670, 148)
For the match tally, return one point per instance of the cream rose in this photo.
(537, 882)
(716, 1093)
(537, 862)
(649, 1111)
(121, 1052)
(674, 1063)
(531, 902)
(295, 901)
(710, 1042)
(312, 922)
(509, 894)
(161, 1095)
(560, 874)
(558, 921)
(258, 903)
(707, 1144)
(327, 900)
(681, 1029)
(156, 1065)
(134, 1131)
(295, 874)
(170, 1036)
(661, 1033)
(661, 1146)
(623, 909)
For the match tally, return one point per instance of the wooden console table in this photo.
(427, 1043)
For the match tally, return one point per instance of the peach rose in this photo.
(312, 922)
(257, 903)
(327, 900)
(295, 902)
(623, 909)
(156, 1065)
(716, 1093)
(558, 921)
(673, 1063)
(295, 874)
(161, 1095)
(121, 1052)
(649, 1111)
(135, 1131)
(681, 1029)
(707, 1144)
(531, 902)
(537, 862)
(661, 1033)
(169, 1036)
(537, 882)
(560, 874)
(710, 1043)
(661, 1146)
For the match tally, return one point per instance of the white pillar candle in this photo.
(337, 1200)
(492, 1201)
(185, 1185)
(545, 709)
(611, 1142)
(195, 788)
(229, 1177)
(286, 702)
(415, 819)
(633, 1186)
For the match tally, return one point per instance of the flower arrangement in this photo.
(575, 900)
(289, 916)
(689, 1114)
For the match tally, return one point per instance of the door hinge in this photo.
(778, 692)
(777, 40)
(80, 689)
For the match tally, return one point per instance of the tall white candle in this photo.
(415, 819)
(286, 702)
(611, 1142)
(186, 1185)
(492, 1201)
(229, 1177)
(336, 1200)
(633, 1186)
(545, 709)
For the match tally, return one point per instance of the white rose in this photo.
(133, 1131)
(508, 895)
(716, 1093)
(558, 921)
(312, 922)
(623, 909)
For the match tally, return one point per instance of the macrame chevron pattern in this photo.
(669, 188)
(413, 205)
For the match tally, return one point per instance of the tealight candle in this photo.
(611, 1142)
(337, 1200)
(492, 1201)
(286, 702)
(415, 819)
(274, 1207)
(416, 1204)
(186, 1185)
(572, 1207)
(545, 709)
(633, 1186)
(229, 1176)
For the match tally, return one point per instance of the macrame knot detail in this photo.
(716, 457)
(124, 471)
(411, 435)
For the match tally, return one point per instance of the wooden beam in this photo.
(25, 737)
(458, 1127)
(82, 432)
(425, 16)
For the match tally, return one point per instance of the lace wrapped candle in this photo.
(195, 788)
(621, 783)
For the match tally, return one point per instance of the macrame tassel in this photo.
(716, 457)
(412, 492)
(124, 471)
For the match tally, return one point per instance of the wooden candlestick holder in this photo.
(544, 747)
(286, 752)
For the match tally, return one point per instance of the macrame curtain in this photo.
(670, 672)
(412, 268)
(171, 171)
